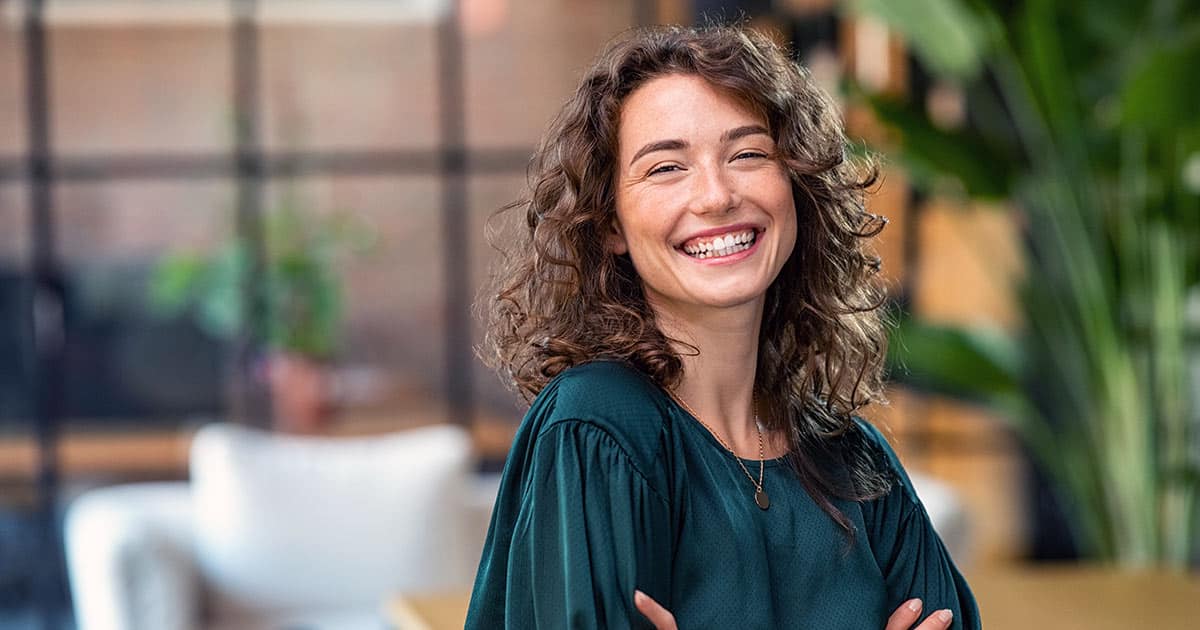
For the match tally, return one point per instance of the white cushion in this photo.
(292, 523)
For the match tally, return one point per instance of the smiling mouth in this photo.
(724, 245)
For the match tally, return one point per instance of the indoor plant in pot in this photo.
(300, 295)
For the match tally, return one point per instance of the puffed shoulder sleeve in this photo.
(577, 527)
(592, 531)
(911, 556)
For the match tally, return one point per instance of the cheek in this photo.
(788, 238)
(789, 244)
(790, 222)
(641, 228)
(786, 218)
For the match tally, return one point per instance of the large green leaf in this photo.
(934, 152)
(1052, 77)
(971, 363)
(945, 34)
(1163, 93)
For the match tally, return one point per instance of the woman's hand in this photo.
(659, 616)
(908, 612)
(902, 619)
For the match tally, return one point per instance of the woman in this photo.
(696, 316)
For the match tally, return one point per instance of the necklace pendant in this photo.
(761, 498)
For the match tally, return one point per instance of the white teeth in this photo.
(722, 245)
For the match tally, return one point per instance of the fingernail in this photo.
(638, 596)
(914, 605)
(945, 616)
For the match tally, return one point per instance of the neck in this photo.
(718, 382)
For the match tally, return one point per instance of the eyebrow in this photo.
(730, 135)
(737, 133)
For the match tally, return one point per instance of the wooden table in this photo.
(1066, 597)
(428, 612)
(1070, 597)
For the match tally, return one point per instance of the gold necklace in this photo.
(760, 495)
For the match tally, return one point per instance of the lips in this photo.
(715, 244)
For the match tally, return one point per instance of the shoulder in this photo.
(871, 436)
(611, 397)
(884, 457)
(609, 389)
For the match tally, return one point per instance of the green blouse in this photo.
(611, 486)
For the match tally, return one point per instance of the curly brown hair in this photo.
(562, 299)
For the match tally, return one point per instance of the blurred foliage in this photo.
(301, 291)
(1085, 117)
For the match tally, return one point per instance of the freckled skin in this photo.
(706, 180)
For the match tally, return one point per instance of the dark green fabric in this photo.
(611, 486)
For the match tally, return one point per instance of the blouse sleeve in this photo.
(911, 556)
(589, 531)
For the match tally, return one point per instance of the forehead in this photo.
(681, 106)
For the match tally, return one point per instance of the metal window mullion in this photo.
(456, 259)
(250, 403)
(44, 323)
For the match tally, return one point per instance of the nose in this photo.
(713, 192)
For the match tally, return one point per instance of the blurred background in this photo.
(240, 241)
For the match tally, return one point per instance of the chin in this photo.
(730, 299)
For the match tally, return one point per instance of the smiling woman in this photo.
(694, 313)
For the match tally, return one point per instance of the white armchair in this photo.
(278, 532)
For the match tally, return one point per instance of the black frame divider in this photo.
(44, 350)
(456, 259)
(250, 405)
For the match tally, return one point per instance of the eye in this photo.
(749, 154)
(665, 168)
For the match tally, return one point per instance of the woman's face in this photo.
(703, 208)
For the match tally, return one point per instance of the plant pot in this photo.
(301, 393)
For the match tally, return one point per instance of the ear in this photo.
(615, 239)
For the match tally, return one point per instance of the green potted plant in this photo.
(1083, 119)
(301, 297)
